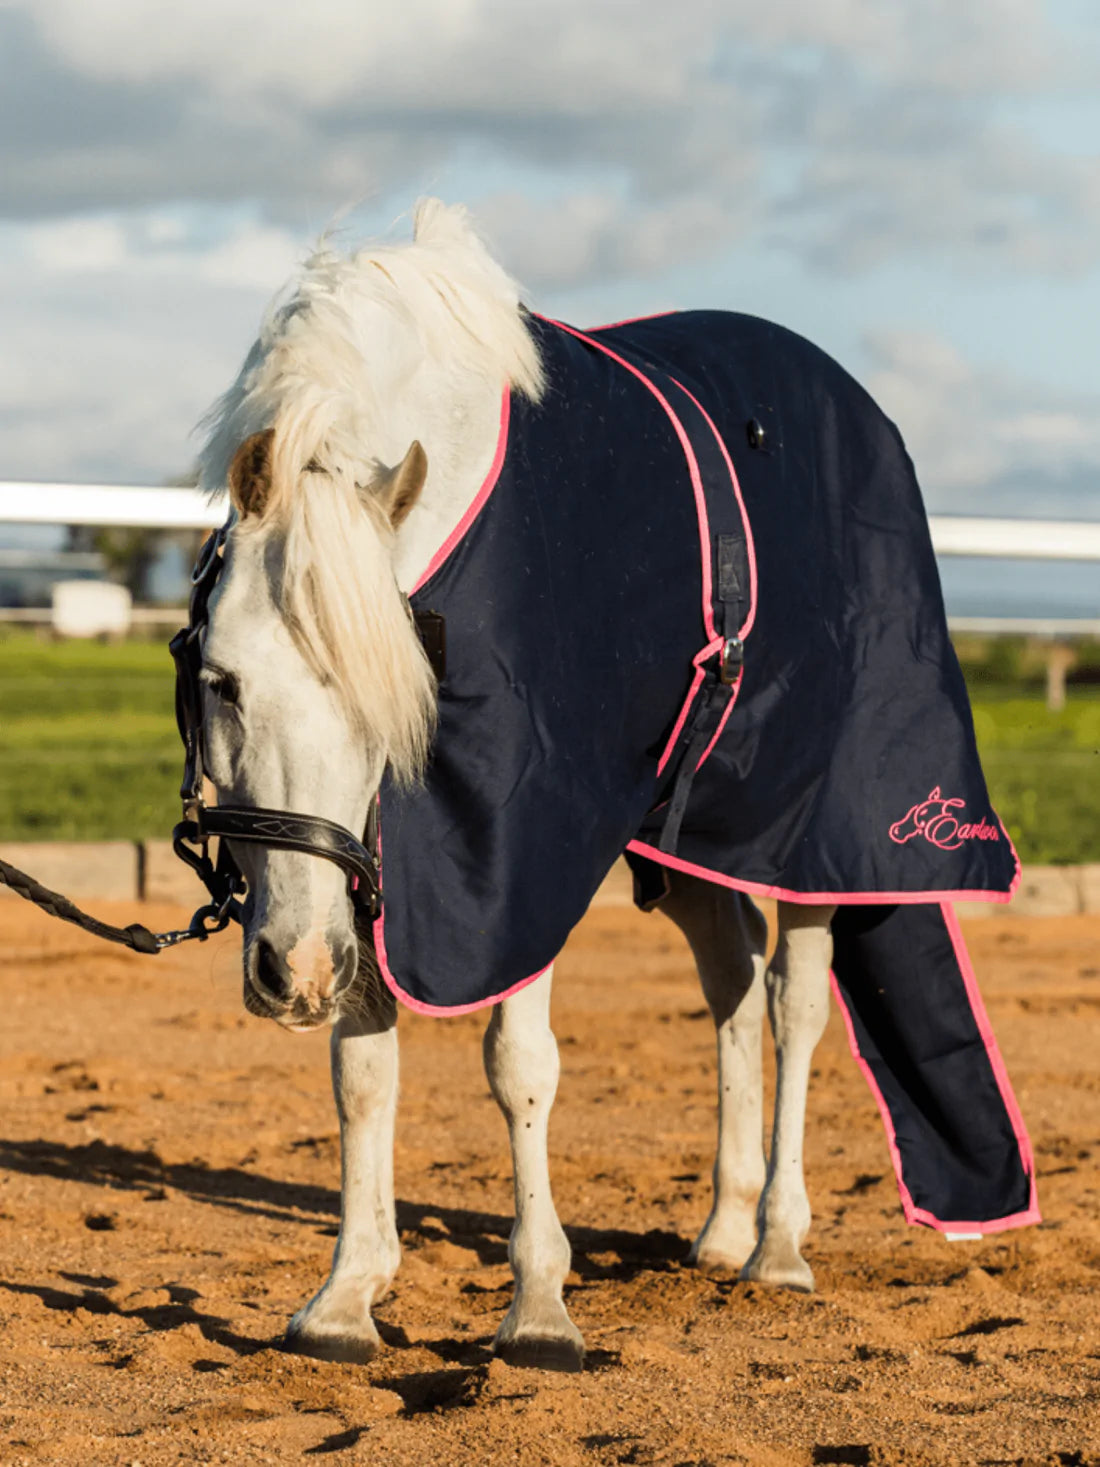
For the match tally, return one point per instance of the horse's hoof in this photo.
(722, 1257)
(716, 1265)
(541, 1352)
(345, 1349)
(784, 1270)
(727, 1239)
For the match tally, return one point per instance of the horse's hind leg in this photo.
(728, 935)
(336, 1324)
(798, 1006)
(521, 1061)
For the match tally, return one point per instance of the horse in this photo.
(354, 445)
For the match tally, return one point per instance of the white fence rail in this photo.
(187, 509)
(107, 504)
(1015, 539)
(30, 503)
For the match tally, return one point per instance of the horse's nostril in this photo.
(273, 977)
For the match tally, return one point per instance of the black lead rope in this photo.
(136, 937)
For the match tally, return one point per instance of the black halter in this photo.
(279, 828)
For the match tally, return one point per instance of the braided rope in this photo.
(136, 937)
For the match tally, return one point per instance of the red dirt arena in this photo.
(169, 1184)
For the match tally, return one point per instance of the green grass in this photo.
(1043, 771)
(88, 741)
(89, 751)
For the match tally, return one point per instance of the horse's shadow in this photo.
(598, 1253)
(158, 1318)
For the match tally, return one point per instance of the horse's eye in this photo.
(224, 686)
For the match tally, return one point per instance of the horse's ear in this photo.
(399, 488)
(250, 474)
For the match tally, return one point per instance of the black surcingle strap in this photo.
(718, 688)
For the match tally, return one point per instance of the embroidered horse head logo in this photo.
(933, 818)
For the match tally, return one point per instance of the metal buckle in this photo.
(731, 661)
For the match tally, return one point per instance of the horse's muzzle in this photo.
(299, 989)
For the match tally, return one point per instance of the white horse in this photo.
(359, 430)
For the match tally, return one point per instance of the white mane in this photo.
(330, 376)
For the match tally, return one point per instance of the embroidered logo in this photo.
(936, 820)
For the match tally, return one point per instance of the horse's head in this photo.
(313, 682)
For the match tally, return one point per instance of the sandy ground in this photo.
(168, 1196)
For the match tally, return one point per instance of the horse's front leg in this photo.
(798, 1005)
(521, 1061)
(336, 1324)
(728, 936)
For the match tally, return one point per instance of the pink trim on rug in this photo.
(750, 544)
(820, 898)
(438, 1011)
(920, 1216)
(689, 455)
(480, 499)
(634, 320)
(735, 693)
(715, 641)
(700, 657)
(441, 1011)
(985, 1029)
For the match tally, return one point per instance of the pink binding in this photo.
(438, 1011)
(915, 1215)
(479, 500)
(689, 455)
(475, 507)
(714, 640)
(750, 545)
(824, 898)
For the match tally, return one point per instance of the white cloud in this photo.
(594, 235)
(596, 140)
(985, 439)
(76, 246)
(151, 247)
(573, 53)
(851, 131)
(113, 349)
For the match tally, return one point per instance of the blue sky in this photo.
(915, 184)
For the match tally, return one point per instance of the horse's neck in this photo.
(459, 431)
